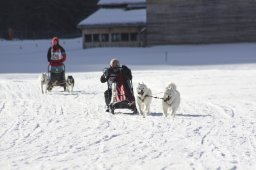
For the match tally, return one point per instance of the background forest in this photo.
(33, 19)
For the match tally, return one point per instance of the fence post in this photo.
(166, 57)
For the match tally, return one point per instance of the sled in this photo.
(56, 77)
(122, 94)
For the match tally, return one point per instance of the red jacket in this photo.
(56, 54)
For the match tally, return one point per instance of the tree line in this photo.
(43, 18)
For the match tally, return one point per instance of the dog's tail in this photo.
(172, 86)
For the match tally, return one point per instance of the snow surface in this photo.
(215, 127)
(115, 16)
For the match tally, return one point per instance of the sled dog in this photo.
(70, 83)
(143, 99)
(171, 100)
(44, 78)
(44, 82)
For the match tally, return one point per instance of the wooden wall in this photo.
(140, 42)
(200, 21)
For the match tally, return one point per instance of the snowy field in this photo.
(215, 127)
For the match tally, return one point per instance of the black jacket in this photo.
(108, 72)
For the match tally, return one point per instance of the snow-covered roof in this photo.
(115, 17)
(107, 2)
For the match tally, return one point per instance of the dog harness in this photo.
(144, 98)
(165, 100)
(168, 98)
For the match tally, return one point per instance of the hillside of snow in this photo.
(215, 126)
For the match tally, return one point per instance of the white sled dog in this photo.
(171, 100)
(143, 99)
(44, 78)
(44, 82)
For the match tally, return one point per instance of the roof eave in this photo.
(111, 25)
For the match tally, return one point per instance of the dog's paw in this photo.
(144, 115)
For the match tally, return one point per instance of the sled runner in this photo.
(56, 77)
(120, 94)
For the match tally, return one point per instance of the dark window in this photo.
(88, 37)
(125, 37)
(96, 37)
(116, 37)
(104, 37)
(134, 36)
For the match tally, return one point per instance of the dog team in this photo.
(120, 92)
(170, 99)
(56, 57)
(56, 68)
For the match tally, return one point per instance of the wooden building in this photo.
(200, 21)
(116, 23)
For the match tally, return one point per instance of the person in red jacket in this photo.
(56, 54)
(56, 57)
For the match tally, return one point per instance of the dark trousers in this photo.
(108, 95)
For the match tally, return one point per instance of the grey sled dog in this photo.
(171, 100)
(143, 99)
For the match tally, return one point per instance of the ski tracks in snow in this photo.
(63, 130)
(227, 134)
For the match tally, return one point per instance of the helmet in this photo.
(114, 63)
(55, 39)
